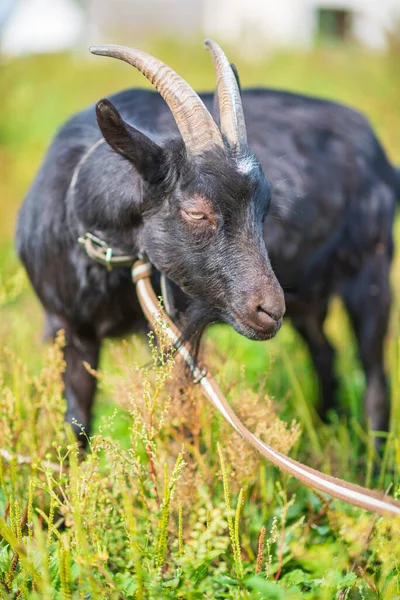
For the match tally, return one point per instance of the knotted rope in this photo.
(353, 494)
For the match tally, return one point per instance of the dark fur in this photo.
(331, 192)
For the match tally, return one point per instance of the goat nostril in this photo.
(271, 313)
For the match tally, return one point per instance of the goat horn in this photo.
(196, 125)
(233, 126)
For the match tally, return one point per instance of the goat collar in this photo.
(337, 488)
(99, 251)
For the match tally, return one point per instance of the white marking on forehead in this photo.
(246, 165)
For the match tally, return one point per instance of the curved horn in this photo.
(233, 126)
(197, 127)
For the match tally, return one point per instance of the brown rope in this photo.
(356, 495)
(353, 494)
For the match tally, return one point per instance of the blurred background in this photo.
(344, 50)
(52, 25)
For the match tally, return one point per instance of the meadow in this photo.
(169, 502)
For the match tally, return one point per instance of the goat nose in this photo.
(274, 312)
(259, 316)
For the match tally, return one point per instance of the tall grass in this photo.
(178, 510)
(169, 502)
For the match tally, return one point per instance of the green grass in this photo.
(170, 503)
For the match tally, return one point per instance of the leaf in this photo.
(199, 572)
(259, 584)
(3, 500)
(271, 590)
(296, 577)
(226, 580)
(337, 580)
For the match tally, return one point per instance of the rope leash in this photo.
(353, 494)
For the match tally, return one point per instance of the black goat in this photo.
(198, 203)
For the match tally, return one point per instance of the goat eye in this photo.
(197, 216)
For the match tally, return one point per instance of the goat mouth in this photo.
(250, 330)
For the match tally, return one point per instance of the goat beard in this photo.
(193, 322)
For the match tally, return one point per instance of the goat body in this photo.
(328, 230)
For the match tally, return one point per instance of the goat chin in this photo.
(258, 335)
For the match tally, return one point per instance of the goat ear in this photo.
(132, 144)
